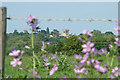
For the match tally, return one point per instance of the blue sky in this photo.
(82, 10)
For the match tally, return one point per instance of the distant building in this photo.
(65, 33)
(51, 35)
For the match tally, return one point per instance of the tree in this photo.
(109, 32)
(43, 31)
(47, 30)
(55, 33)
(73, 45)
(15, 32)
(96, 32)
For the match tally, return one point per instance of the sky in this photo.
(81, 10)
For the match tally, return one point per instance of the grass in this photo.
(66, 70)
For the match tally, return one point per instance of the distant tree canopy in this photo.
(70, 45)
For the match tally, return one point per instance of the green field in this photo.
(66, 69)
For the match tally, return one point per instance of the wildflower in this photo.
(64, 76)
(14, 53)
(83, 70)
(19, 68)
(80, 71)
(108, 53)
(32, 21)
(87, 47)
(102, 50)
(88, 63)
(117, 30)
(35, 74)
(85, 57)
(87, 32)
(46, 64)
(92, 60)
(117, 41)
(48, 43)
(54, 56)
(101, 68)
(30, 18)
(22, 53)
(76, 70)
(16, 62)
(110, 46)
(94, 50)
(78, 56)
(45, 58)
(111, 76)
(82, 61)
(116, 22)
(116, 70)
(8, 76)
(97, 62)
(55, 68)
(81, 39)
(96, 67)
(43, 44)
(27, 47)
(80, 64)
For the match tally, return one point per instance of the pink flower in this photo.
(87, 32)
(32, 22)
(95, 51)
(55, 68)
(19, 68)
(8, 76)
(81, 39)
(22, 53)
(27, 47)
(111, 76)
(54, 56)
(78, 56)
(88, 63)
(80, 71)
(30, 18)
(110, 46)
(116, 70)
(101, 68)
(97, 62)
(16, 62)
(117, 41)
(46, 64)
(45, 58)
(92, 60)
(117, 30)
(116, 22)
(43, 46)
(14, 53)
(35, 74)
(102, 50)
(85, 57)
(48, 43)
(87, 47)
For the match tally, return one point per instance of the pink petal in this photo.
(19, 63)
(92, 44)
(51, 72)
(84, 45)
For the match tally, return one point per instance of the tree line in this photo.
(69, 46)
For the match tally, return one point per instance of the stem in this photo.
(112, 61)
(91, 65)
(33, 51)
(111, 65)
